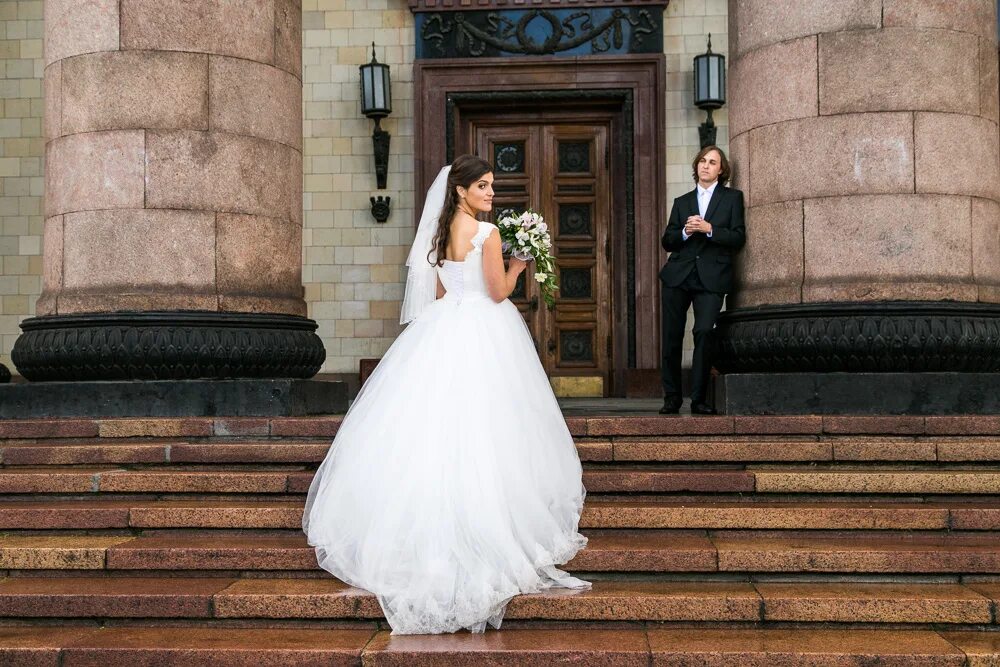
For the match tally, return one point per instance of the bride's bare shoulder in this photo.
(463, 223)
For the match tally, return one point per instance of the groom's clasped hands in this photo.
(696, 223)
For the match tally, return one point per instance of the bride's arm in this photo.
(500, 283)
(440, 287)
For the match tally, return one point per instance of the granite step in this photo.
(597, 513)
(826, 647)
(678, 601)
(621, 551)
(792, 480)
(118, 512)
(820, 449)
(101, 512)
(593, 425)
(608, 551)
(194, 646)
(162, 479)
(100, 451)
(707, 514)
(921, 481)
(168, 427)
(681, 449)
(869, 554)
(181, 647)
(199, 479)
(653, 479)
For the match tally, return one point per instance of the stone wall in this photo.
(353, 267)
(22, 148)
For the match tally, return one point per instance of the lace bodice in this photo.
(465, 279)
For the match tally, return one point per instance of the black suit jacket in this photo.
(713, 256)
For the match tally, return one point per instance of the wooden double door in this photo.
(563, 170)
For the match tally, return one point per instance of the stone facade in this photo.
(353, 268)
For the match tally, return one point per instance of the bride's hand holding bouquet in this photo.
(526, 237)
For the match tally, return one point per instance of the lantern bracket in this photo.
(380, 143)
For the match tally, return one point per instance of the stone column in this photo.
(865, 138)
(172, 244)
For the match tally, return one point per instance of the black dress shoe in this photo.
(702, 409)
(671, 406)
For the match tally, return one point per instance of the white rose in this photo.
(541, 276)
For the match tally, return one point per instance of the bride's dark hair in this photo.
(465, 170)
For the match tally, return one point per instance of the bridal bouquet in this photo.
(526, 236)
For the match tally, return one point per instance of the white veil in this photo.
(421, 276)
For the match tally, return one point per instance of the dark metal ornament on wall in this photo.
(167, 346)
(537, 32)
(381, 208)
(380, 144)
(707, 132)
(878, 337)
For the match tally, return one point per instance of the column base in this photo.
(869, 337)
(173, 398)
(180, 345)
(858, 393)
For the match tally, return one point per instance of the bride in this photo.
(453, 483)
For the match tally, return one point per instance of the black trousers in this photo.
(674, 304)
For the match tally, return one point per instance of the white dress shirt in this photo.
(704, 197)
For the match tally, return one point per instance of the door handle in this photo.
(534, 303)
(552, 346)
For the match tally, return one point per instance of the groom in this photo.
(704, 231)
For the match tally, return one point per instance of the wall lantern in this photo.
(376, 103)
(709, 89)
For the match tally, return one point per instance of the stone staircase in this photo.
(713, 541)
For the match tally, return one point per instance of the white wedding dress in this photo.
(453, 483)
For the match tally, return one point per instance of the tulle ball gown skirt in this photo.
(453, 483)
